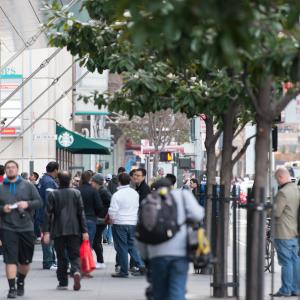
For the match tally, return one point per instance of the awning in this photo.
(76, 143)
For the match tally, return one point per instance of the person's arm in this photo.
(48, 213)
(279, 204)
(195, 212)
(113, 209)
(80, 213)
(36, 201)
(97, 203)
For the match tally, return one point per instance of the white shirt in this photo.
(124, 206)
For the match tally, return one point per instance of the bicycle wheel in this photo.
(268, 255)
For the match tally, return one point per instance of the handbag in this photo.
(87, 261)
(198, 245)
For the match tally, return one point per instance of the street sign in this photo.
(44, 137)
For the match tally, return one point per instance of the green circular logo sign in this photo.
(65, 139)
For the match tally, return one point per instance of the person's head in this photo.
(121, 170)
(162, 186)
(282, 175)
(131, 174)
(76, 181)
(64, 179)
(2, 170)
(161, 172)
(108, 178)
(85, 177)
(97, 181)
(34, 177)
(194, 183)
(124, 179)
(139, 176)
(11, 169)
(52, 168)
(25, 175)
(172, 178)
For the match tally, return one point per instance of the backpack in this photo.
(157, 220)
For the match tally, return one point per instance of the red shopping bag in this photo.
(87, 262)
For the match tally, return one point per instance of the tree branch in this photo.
(243, 150)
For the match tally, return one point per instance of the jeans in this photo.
(91, 226)
(287, 252)
(71, 245)
(48, 255)
(169, 277)
(123, 236)
(107, 234)
(97, 244)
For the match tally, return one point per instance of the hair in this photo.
(194, 180)
(121, 170)
(64, 179)
(24, 175)
(162, 182)
(124, 179)
(131, 173)
(85, 177)
(52, 166)
(141, 170)
(2, 170)
(36, 175)
(11, 162)
(172, 178)
(91, 172)
(281, 171)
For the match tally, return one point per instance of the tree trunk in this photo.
(256, 217)
(220, 271)
(155, 162)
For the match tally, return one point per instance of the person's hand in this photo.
(46, 238)
(7, 209)
(85, 236)
(23, 205)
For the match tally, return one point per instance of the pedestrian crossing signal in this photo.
(166, 156)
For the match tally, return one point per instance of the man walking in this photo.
(286, 206)
(65, 217)
(47, 184)
(123, 211)
(141, 186)
(18, 200)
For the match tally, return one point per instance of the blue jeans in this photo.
(91, 226)
(287, 252)
(107, 234)
(169, 277)
(123, 236)
(48, 255)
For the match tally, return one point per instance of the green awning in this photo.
(76, 143)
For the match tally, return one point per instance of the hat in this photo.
(98, 178)
(108, 177)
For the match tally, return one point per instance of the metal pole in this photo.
(33, 39)
(234, 244)
(50, 107)
(39, 96)
(42, 65)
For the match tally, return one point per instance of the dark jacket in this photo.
(105, 197)
(11, 193)
(64, 213)
(46, 184)
(143, 190)
(91, 202)
(113, 185)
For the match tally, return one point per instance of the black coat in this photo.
(105, 197)
(143, 190)
(64, 213)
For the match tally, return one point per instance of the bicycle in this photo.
(268, 247)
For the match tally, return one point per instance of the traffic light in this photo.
(165, 156)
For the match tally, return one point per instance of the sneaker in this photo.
(20, 289)
(77, 284)
(100, 266)
(53, 267)
(134, 269)
(12, 294)
(139, 272)
(279, 294)
(62, 287)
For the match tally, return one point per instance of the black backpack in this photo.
(157, 220)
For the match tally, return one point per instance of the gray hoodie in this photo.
(176, 246)
(10, 193)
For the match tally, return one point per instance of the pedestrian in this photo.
(105, 197)
(113, 184)
(168, 261)
(121, 170)
(47, 184)
(141, 186)
(91, 202)
(34, 177)
(286, 207)
(132, 179)
(194, 186)
(18, 198)
(123, 211)
(65, 223)
(2, 172)
(76, 181)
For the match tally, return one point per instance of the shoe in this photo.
(134, 269)
(77, 284)
(295, 295)
(62, 287)
(53, 267)
(279, 294)
(119, 275)
(100, 266)
(12, 294)
(20, 289)
(139, 272)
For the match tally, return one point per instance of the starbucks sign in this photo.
(65, 139)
